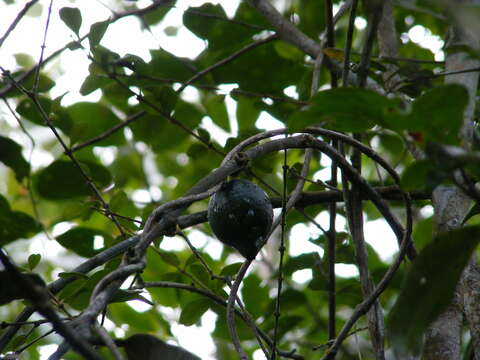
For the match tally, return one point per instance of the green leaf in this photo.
(168, 66)
(231, 270)
(262, 70)
(206, 22)
(81, 240)
(92, 119)
(44, 83)
(343, 109)
(255, 295)
(247, 113)
(188, 114)
(193, 311)
(72, 18)
(33, 261)
(288, 51)
(414, 177)
(15, 224)
(122, 295)
(429, 287)
(11, 156)
(122, 205)
(166, 97)
(24, 60)
(11, 289)
(63, 180)
(27, 109)
(217, 110)
(439, 113)
(196, 151)
(97, 30)
(92, 83)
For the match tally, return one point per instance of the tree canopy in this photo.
(346, 113)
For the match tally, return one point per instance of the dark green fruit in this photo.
(241, 215)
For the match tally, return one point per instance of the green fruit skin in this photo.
(241, 215)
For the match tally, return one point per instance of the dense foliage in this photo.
(157, 133)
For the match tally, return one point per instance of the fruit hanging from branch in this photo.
(241, 215)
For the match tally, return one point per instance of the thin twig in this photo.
(348, 44)
(376, 16)
(42, 51)
(17, 19)
(330, 35)
(221, 301)
(108, 341)
(38, 296)
(232, 328)
(363, 307)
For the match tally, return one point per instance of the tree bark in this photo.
(443, 339)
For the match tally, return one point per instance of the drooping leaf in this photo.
(11, 156)
(33, 261)
(206, 22)
(414, 177)
(97, 30)
(429, 287)
(15, 224)
(72, 18)
(93, 82)
(262, 70)
(168, 66)
(231, 270)
(44, 83)
(439, 112)
(92, 119)
(11, 289)
(217, 110)
(122, 205)
(63, 180)
(29, 111)
(342, 109)
(246, 112)
(81, 240)
(192, 312)
(255, 295)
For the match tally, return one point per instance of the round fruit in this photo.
(240, 214)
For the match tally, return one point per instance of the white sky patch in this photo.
(47, 350)
(62, 227)
(267, 122)
(98, 242)
(346, 270)
(380, 236)
(141, 195)
(302, 276)
(141, 306)
(427, 211)
(298, 240)
(106, 154)
(424, 37)
(324, 220)
(360, 23)
(175, 243)
(291, 91)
